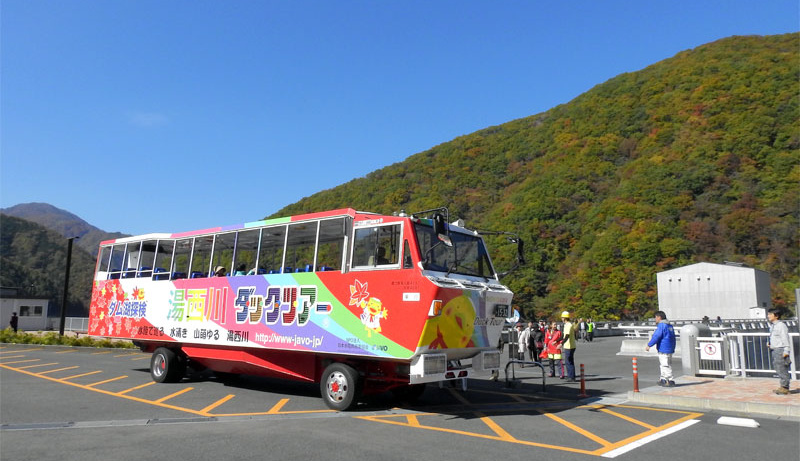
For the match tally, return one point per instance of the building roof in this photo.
(710, 267)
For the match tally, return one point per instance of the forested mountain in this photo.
(33, 258)
(62, 222)
(695, 158)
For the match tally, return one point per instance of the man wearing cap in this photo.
(568, 346)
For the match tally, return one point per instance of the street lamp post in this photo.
(66, 287)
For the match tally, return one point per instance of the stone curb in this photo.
(703, 404)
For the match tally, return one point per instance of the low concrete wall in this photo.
(635, 347)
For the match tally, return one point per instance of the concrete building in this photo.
(730, 291)
(32, 311)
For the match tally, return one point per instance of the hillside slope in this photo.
(33, 258)
(695, 158)
(62, 222)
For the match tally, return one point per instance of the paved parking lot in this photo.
(62, 389)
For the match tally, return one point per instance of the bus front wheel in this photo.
(167, 366)
(340, 386)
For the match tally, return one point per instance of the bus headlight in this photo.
(429, 364)
(485, 361)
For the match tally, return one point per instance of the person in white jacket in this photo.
(522, 341)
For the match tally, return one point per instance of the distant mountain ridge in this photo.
(63, 222)
(33, 258)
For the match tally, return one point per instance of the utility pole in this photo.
(66, 287)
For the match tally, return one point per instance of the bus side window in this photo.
(245, 252)
(163, 259)
(117, 258)
(270, 253)
(331, 244)
(363, 247)
(147, 255)
(180, 262)
(131, 260)
(300, 247)
(376, 246)
(101, 272)
(201, 257)
(223, 252)
(388, 238)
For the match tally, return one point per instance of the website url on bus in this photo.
(274, 338)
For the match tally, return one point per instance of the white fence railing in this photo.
(79, 324)
(741, 353)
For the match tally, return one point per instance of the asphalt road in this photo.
(92, 404)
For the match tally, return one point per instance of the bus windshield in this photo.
(467, 256)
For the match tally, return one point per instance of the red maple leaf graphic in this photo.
(358, 293)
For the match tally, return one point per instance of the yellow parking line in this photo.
(277, 407)
(217, 403)
(175, 394)
(142, 357)
(38, 365)
(21, 361)
(101, 352)
(579, 430)
(23, 350)
(82, 374)
(13, 356)
(113, 394)
(627, 418)
(388, 420)
(107, 381)
(68, 351)
(128, 354)
(58, 369)
(655, 430)
(497, 429)
(134, 388)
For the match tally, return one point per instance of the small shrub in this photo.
(54, 339)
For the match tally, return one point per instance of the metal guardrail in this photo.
(750, 354)
(523, 363)
(740, 353)
(79, 324)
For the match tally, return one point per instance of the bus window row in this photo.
(313, 246)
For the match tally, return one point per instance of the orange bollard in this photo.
(583, 393)
(635, 376)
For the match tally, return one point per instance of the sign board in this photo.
(710, 351)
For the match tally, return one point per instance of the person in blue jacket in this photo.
(664, 340)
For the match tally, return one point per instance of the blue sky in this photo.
(167, 116)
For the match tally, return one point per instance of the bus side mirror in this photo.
(520, 249)
(440, 228)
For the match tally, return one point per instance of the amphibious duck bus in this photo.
(358, 302)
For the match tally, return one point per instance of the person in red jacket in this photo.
(552, 345)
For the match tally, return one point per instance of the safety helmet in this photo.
(565, 315)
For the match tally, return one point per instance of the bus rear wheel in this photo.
(167, 366)
(340, 386)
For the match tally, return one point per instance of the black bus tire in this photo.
(340, 386)
(167, 366)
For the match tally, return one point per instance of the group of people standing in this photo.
(554, 342)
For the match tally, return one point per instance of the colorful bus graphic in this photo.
(359, 302)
